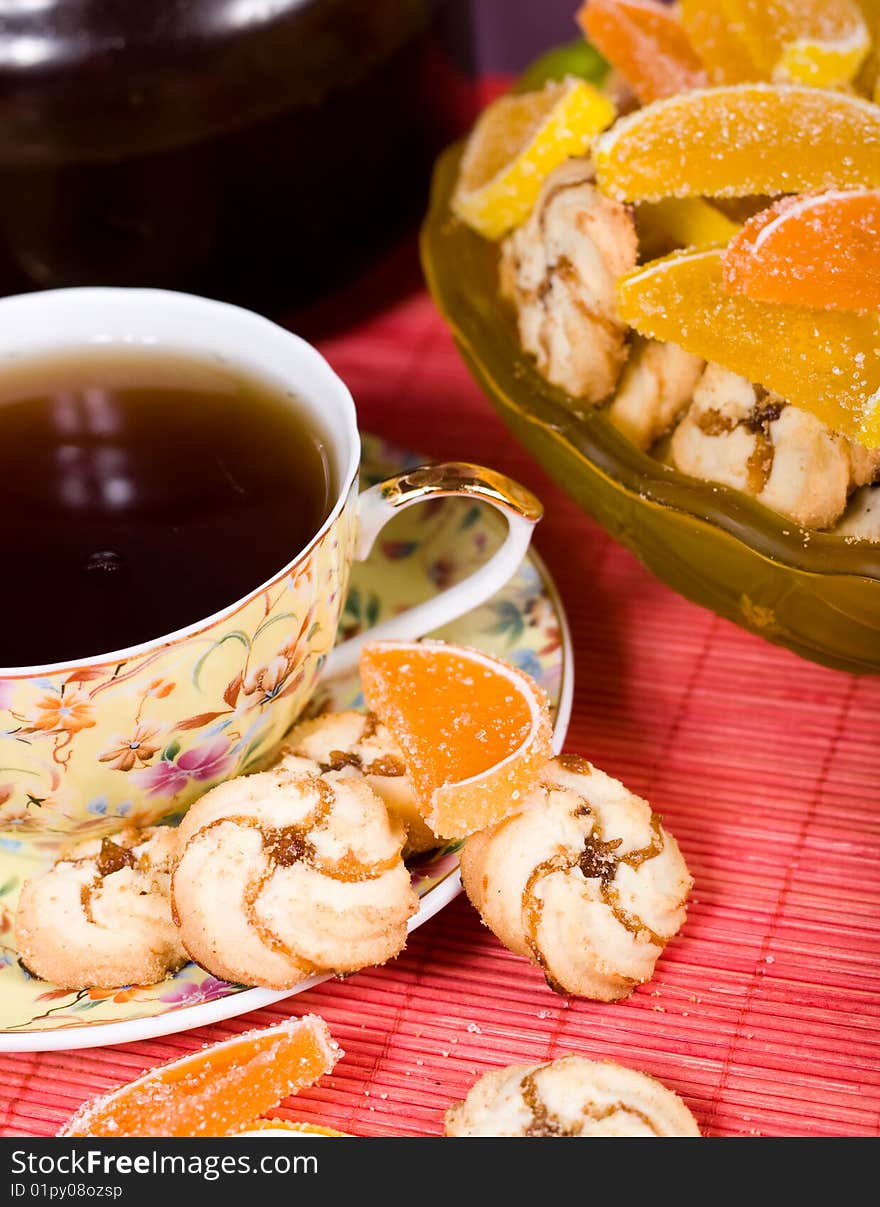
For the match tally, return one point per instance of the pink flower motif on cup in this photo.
(189, 993)
(164, 778)
(210, 761)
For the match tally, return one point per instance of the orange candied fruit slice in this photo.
(821, 250)
(475, 730)
(823, 361)
(817, 42)
(216, 1090)
(645, 41)
(739, 140)
(718, 42)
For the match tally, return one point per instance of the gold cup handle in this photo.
(380, 503)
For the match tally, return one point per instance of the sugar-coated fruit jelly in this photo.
(817, 42)
(476, 730)
(647, 44)
(741, 141)
(718, 42)
(518, 141)
(819, 250)
(824, 361)
(142, 491)
(217, 1090)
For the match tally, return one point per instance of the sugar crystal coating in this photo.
(645, 41)
(817, 42)
(516, 144)
(216, 1090)
(474, 729)
(718, 42)
(741, 140)
(824, 361)
(819, 250)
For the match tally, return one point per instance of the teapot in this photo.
(252, 150)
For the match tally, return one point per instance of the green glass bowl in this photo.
(815, 593)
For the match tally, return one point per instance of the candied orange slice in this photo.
(680, 222)
(645, 41)
(739, 140)
(718, 41)
(821, 251)
(824, 361)
(818, 42)
(475, 730)
(516, 143)
(216, 1090)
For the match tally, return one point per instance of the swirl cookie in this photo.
(584, 881)
(740, 435)
(570, 1096)
(357, 744)
(101, 917)
(560, 270)
(283, 876)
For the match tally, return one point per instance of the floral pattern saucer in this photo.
(422, 550)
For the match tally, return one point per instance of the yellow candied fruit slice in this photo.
(827, 362)
(740, 140)
(681, 222)
(817, 42)
(718, 41)
(517, 142)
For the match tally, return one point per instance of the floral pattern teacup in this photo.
(133, 736)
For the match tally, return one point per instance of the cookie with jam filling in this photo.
(358, 745)
(283, 876)
(584, 881)
(101, 918)
(570, 1096)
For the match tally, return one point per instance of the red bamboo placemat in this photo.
(765, 1012)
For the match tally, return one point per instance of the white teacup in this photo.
(132, 735)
